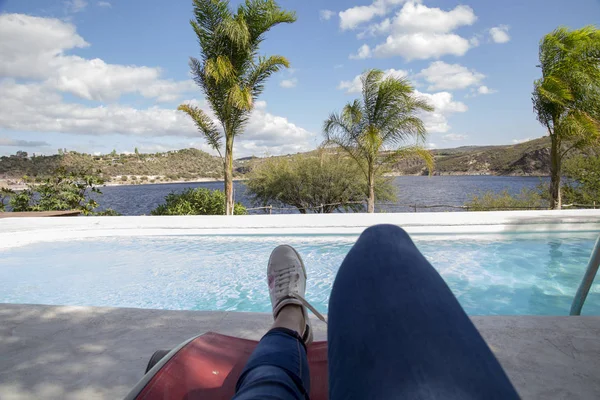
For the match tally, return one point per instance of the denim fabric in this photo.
(395, 331)
(277, 369)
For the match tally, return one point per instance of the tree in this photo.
(197, 201)
(322, 184)
(230, 72)
(137, 152)
(583, 179)
(373, 129)
(566, 98)
(63, 191)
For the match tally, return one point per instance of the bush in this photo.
(582, 185)
(134, 178)
(492, 201)
(321, 184)
(197, 201)
(124, 178)
(109, 212)
(63, 191)
(144, 178)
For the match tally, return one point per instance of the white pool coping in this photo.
(22, 231)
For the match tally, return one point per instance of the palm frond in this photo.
(205, 125)
(261, 71)
(412, 152)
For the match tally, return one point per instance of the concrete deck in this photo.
(100, 353)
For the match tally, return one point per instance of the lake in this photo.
(420, 190)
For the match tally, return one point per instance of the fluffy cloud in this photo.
(454, 137)
(355, 85)
(325, 15)
(421, 32)
(105, 4)
(444, 105)
(37, 49)
(355, 16)
(499, 34)
(289, 83)
(485, 90)
(22, 143)
(36, 73)
(363, 52)
(443, 76)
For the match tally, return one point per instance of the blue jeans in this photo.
(395, 331)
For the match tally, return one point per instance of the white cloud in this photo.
(355, 85)
(37, 49)
(444, 105)
(338, 66)
(289, 83)
(36, 73)
(517, 141)
(421, 46)
(75, 6)
(376, 29)
(105, 4)
(431, 145)
(499, 34)
(421, 32)
(443, 76)
(454, 137)
(485, 90)
(363, 52)
(325, 15)
(355, 16)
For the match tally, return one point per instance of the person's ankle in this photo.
(291, 317)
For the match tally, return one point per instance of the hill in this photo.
(528, 158)
(523, 159)
(186, 164)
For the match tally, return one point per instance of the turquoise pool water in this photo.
(517, 274)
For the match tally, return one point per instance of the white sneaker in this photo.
(286, 276)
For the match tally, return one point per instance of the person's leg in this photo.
(278, 367)
(397, 331)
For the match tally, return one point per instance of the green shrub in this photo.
(144, 178)
(134, 178)
(582, 185)
(109, 212)
(62, 192)
(321, 184)
(492, 201)
(124, 178)
(197, 201)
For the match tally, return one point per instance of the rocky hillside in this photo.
(529, 158)
(184, 164)
(524, 159)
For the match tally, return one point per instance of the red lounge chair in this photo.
(208, 367)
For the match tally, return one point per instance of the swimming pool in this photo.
(509, 274)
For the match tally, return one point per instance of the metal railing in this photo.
(587, 281)
(413, 207)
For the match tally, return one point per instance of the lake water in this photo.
(420, 190)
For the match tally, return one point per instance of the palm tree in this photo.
(567, 96)
(372, 131)
(230, 72)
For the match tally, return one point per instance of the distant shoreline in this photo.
(15, 184)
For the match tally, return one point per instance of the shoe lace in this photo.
(282, 282)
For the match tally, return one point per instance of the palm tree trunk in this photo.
(555, 163)
(371, 199)
(229, 204)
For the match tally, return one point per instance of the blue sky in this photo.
(95, 76)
